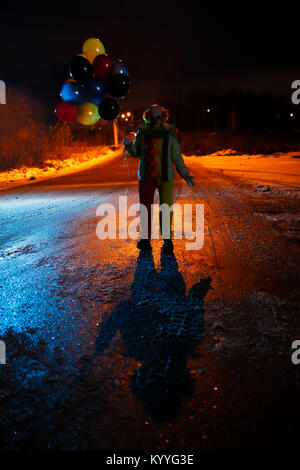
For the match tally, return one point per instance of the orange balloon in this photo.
(87, 114)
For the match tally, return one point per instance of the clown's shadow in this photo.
(161, 327)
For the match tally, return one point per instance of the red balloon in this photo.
(103, 67)
(66, 112)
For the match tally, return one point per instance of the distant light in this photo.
(123, 116)
(292, 114)
(128, 114)
(126, 119)
(208, 110)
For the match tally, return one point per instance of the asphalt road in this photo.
(110, 349)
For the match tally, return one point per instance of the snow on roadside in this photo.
(271, 179)
(77, 161)
(276, 174)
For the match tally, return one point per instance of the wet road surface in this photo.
(111, 349)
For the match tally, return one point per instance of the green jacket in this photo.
(171, 151)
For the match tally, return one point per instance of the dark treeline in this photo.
(235, 110)
(245, 120)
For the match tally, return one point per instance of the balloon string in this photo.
(124, 157)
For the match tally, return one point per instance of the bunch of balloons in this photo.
(95, 85)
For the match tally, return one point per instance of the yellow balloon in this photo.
(92, 47)
(87, 114)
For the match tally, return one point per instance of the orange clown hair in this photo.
(164, 115)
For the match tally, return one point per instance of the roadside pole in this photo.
(116, 143)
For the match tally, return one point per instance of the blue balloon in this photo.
(120, 67)
(73, 93)
(96, 91)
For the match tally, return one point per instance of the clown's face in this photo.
(155, 116)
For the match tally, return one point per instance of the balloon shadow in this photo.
(161, 326)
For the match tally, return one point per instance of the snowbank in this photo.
(77, 161)
(280, 171)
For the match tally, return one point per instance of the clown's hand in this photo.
(126, 141)
(189, 181)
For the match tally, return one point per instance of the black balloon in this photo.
(109, 109)
(80, 69)
(118, 85)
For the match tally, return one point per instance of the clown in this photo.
(157, 147)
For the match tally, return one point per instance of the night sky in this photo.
(167, 46)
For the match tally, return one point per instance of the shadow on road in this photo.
(160, 326)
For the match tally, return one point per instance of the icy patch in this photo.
(263, 188)
(260, 324)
